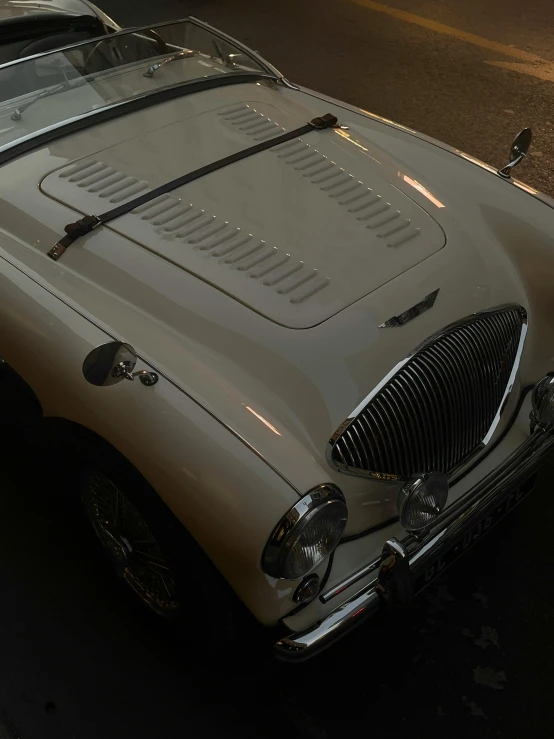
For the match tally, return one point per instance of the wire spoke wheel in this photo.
(130, 544)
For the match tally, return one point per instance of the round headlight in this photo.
(306, 535)
(422, 500)
(542, 399)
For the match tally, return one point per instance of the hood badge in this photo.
(413, 312)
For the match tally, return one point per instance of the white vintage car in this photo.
(267, 327)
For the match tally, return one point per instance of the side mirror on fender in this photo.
(518, 150)
(110, 363)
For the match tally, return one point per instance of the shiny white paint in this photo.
(178, 456)
(278, 392)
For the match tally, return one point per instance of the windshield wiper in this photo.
(17, 115)
(185, 54)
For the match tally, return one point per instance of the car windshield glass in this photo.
(42, 93)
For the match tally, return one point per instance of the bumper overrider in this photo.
(407, 565)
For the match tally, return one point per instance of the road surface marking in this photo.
(543, 70)
(529, 63)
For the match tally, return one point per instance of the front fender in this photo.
(225, 495)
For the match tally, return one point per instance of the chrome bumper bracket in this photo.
(395, 584)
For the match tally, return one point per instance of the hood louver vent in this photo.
(208, 233)
(363, 202)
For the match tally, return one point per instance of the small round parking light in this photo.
(421, 500)
(307, 590)
(543, 402)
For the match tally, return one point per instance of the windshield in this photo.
(45, 92)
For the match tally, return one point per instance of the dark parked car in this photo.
(29, 27)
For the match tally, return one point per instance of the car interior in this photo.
(34, 34)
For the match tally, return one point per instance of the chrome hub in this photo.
(130, 544)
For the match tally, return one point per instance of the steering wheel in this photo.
(161, 45)
(90, 63)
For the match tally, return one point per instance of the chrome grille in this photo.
(440, 404)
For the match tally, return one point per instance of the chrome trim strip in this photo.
(509, 386)
(359, 408)
(496, 488)
(247, 50)
(354, 578)
(428, 546)
(100, 113)
(346, 469)
(346, 616)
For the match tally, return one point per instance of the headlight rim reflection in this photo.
(323, 500)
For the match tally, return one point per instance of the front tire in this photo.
(129, 543)
(158, 561)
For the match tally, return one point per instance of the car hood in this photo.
(240, 347)
(297, 232)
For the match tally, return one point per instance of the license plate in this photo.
(480, 528)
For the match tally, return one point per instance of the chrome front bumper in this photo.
(406, 566)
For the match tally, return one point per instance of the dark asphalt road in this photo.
(475, 656)
(421, 78)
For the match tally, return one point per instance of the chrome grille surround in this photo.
(438, 406)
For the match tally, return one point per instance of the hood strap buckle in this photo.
(325, 121)
(74, 231)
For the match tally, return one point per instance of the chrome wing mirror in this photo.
(518, 150)
(111, 363)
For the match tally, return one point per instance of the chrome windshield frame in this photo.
(254, 56)
(109, 112)
(152, 97)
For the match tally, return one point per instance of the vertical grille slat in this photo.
(366, 428)
(353, 449)
(471, 382)
(373, 438)
(403, 442)
(440, 405)
(491, 371)
(389, 434)
(396, 430)
(436, 379)
(455, 400)
(412, 448)
(422, 416)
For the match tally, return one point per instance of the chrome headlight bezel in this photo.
(421, 500)
(290, 528)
